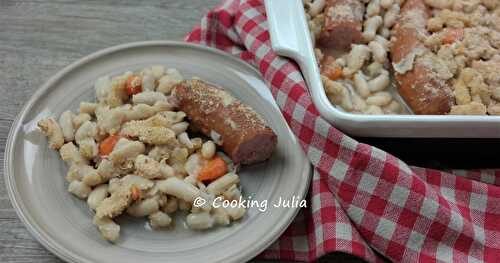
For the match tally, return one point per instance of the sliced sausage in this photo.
(420, 87)
(343, 24)
(244, 134)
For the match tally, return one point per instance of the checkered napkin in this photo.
(362, 201)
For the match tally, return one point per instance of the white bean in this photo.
(385, 32)
(380, 99)
(373, 110)
(71, 155)
(74, 173)
(378, 51)
(113, 185)
(107, 170)
(159, 219)
(88, 148)
(87, 130)
(391, 16)
(371, 26)
(166, 170)
(138, 112)
(199, 221)
(208, 150)
(358, 103)
(180, 127)
(110, 121)
(179, 155)
(88, 107)
(148, 82)
(148, 97)
(139, 181)
(173, 116)
(222, 183)
(232, 193)
(235, 212)
(102, 87)
(128, 150)
(221, 216)
(361, 85)
(66, 123)
(193, 166)
(90, 176)
(144, 72)
(356, 59)
(168, 81)
(373, 8)
(383, 41)
(394, 107)
(52, 130)
(158, 71)
(374, 69)
(79, 189)
(386, 3)
(144, 207)
(178, 188)
(379, 83)
(117, 95)
(184, 139)
(341, 61)
(155, 192)
(216, 137)
(80, 119)
(97, 195)
(316, 7)
(108, 228)
(338, 93)
(147, 167)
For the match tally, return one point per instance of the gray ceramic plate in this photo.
(35, 174)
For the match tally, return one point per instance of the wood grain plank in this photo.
(17, 245)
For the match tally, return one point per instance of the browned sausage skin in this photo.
(245, 136)
(343, 24)
(422, 89)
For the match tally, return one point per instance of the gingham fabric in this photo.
(362, 201)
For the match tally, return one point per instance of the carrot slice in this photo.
(330, 68)
(135, 193)
(133, 85)
(107, 145)
(215, 168)
(452, 35)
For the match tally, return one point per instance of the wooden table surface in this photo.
(38, 38)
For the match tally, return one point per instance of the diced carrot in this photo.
(133, 85)
(330, 68)
(135, 193)
(215, 168)
(452, 35)
(107, 145)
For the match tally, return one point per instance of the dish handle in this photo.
(290, 37)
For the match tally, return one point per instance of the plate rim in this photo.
(60, 250)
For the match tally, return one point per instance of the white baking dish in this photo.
(290, 37)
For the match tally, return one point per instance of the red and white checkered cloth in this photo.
(363, 201)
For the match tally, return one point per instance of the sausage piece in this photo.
(245, 136)
(343, 24)
(419, 85)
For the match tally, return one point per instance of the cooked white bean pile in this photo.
(359, 81)
(130, 152)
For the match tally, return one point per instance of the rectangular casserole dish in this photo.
(290, 37)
